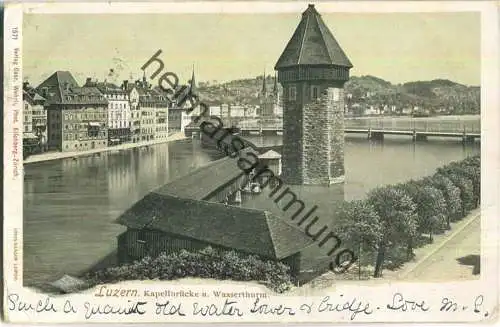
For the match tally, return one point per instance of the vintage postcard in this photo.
(207, 162)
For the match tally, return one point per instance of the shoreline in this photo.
(49, 156)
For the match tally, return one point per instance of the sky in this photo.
(398, 47)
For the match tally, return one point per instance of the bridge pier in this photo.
(377, 136)
(466, 139)
(420, 137)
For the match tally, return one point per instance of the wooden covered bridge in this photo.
(192, 213)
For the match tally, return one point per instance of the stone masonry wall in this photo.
(292, 147)
(337, 125)
(323, 147)
(292, 155)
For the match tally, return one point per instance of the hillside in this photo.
(242, 91)
(436, 95)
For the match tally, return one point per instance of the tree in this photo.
(398, 219)
(431, 206)
(469, 168)
(465, 185)
(451, 194)
(358, 224)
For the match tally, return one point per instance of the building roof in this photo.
(312, 43)
(38, 97)
(248, 230)
(62, 88)
(106, 87)
(203, 182)
(30, 95)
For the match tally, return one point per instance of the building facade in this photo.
(161, 116)
(269, 101)
(39, 119)
(313, 74)
(135, 112)
(148, 117)
(27, 113)
(181, 113)
(30, 140)
(77, 116)
(149, 108)
(119, 121)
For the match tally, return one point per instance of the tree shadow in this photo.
(471, 260)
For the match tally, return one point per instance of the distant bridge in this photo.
(418, 128)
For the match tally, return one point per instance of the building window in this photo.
(292, 93)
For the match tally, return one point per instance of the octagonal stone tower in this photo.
(312, 70)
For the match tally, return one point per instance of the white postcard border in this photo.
(461, 292)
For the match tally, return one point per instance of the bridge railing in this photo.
(417, 124)
(432, 125)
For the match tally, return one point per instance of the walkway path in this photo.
(454, 255)
(455, 258)
(60, 155)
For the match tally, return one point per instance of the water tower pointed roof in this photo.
(312, 43)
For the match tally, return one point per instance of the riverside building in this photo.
(119, 121)
(77, 116)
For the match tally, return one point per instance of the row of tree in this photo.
(394, 219)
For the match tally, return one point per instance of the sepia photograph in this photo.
(279, 152)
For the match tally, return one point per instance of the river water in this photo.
(70, 205)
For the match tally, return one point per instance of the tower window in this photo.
(314, 92)
(292, 93)
(336, 94)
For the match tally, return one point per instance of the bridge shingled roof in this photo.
(312, 43)
(204, 181)
(247, 230)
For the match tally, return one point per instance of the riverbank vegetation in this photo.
(206, 263)
(393, 220)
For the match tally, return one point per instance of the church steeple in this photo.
(192, 84)
(263, 92)
(275, 87)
